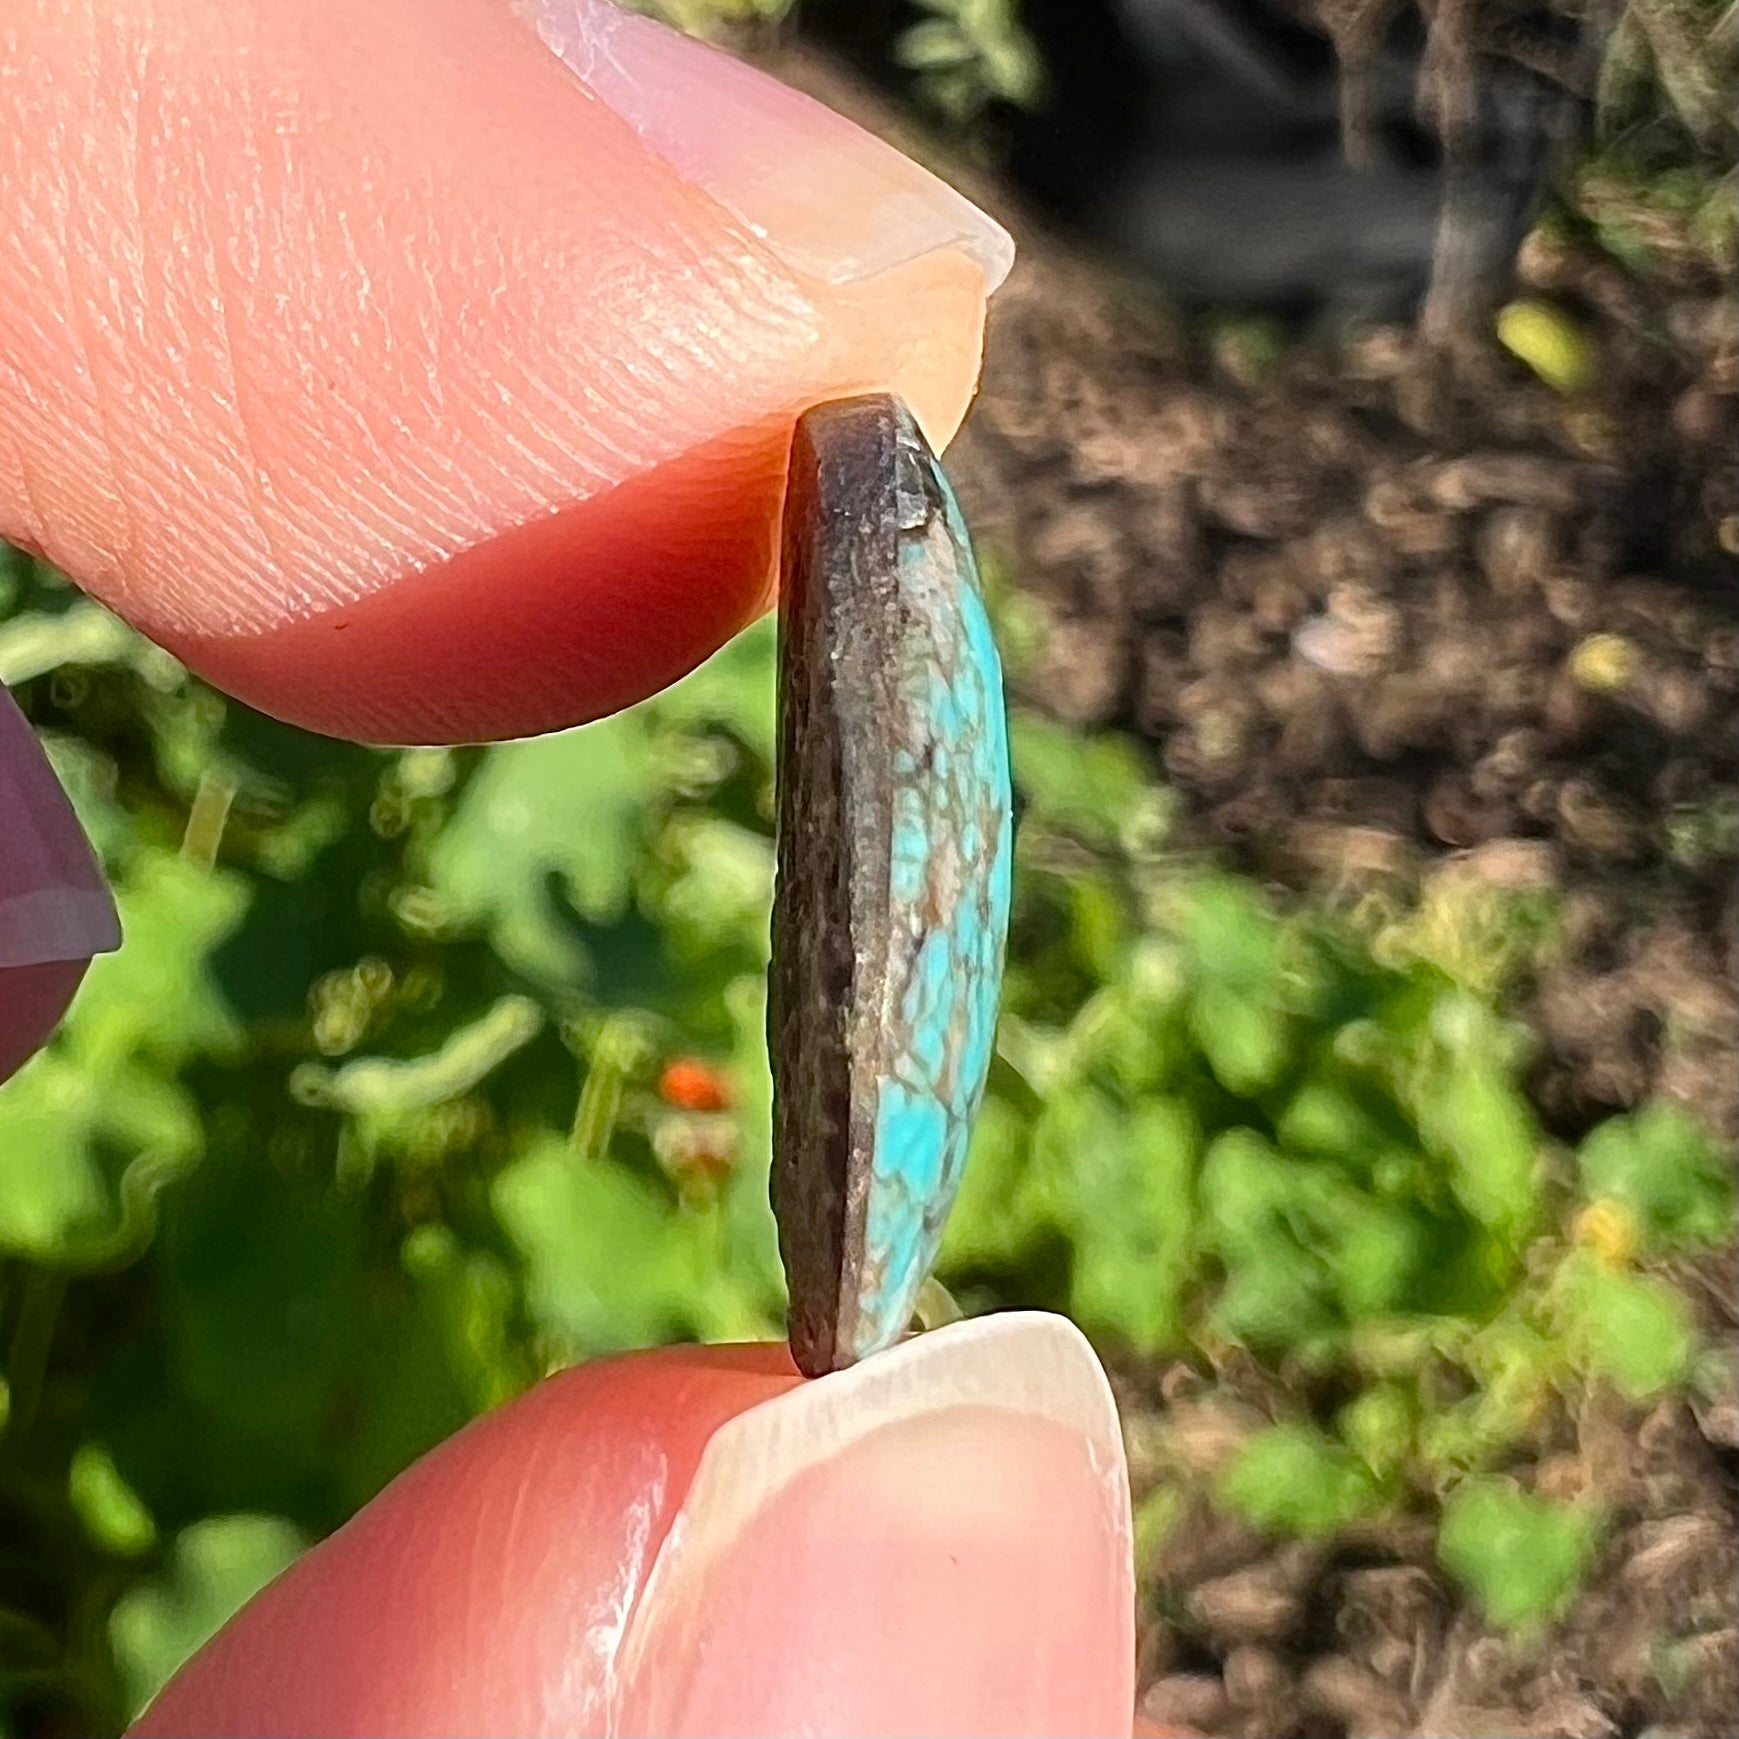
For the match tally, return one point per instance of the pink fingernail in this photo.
(936, 1541)
(831, 200)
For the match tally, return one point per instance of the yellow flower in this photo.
(1609, 1229)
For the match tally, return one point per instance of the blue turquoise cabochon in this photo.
(891, 907)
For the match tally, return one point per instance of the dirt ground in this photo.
(1384, 615)
(1366, 1639)
(1381, 609)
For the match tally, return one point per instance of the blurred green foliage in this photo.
(368, 1125)
(961, 55)
(715, 19)
(965, 54)
(1523, 1556)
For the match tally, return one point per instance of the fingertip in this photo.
(486, 1590)
(55, 909)
(833, 202)
(33, 1001)
(697, 1541)
(487, 441)
(935, 1542)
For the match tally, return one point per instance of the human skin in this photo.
(415, 389)
(699, 1542)
(414, 382)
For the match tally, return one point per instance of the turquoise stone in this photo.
(891, 907)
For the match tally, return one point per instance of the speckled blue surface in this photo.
(948, 884)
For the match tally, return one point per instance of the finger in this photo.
(695, 1542)
(415, 382)
(935, 1542)
(55, 911)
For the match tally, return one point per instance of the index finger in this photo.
(415, 384)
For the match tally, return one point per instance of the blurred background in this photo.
(1357, 483)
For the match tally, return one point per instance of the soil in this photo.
(1365, 1638)
(1386, 608)
(1387, 613)
(1359, 605)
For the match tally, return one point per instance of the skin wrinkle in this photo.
(132, 86)
(639, 390)
(689, 348)
(543, 446)
(253, 475)
(423, 326)
(436, 475)
(31, 531)
(637, 378)
(51, 211)
(516, 1513)
(406, 519)
(535, 388)
(136, 86)
(80, 330)
(473, 1617)
(512, 1570)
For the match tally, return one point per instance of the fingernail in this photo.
(831, 200)
(936, 1541)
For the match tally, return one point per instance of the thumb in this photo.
(695, 1541)
(414, 382)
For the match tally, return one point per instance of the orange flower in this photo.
(688, 1084)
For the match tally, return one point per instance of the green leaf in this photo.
(1157, 1517)
(1140, 1046)
(1378, 1427)
(1098, 789)
(733, 691)
(112, 1513)
(548, 828)
(932, 43)
(1630, 1328)
(1660, 1165)
(1247, 1193)
(1292, 1479)
(610, 1264)
(469, 1299)
(723, 884)
(602, 1273)
(156, 995)
(1274, 1301)
(1481, 1123)
(87, 776)
(1133, 1178)
(1245, 1040)
(1327, 1117)
(215, 1567)
(1377, 1252)
(1232, 937)
(998, 1213)
(1522, 1557)
(68, 1136)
